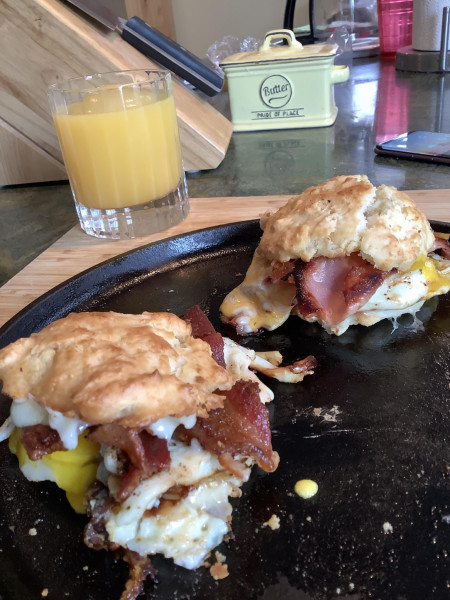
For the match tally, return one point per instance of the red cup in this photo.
(395, 25)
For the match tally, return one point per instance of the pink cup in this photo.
(395, 25)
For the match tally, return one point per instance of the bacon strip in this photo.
(140, 567)
(39, 440)
(147, 453)
(241, 427)
(333, 288)
(99, 506)
(443, 245)
(281, 271)
(202, 328)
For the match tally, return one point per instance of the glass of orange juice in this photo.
(119, 138)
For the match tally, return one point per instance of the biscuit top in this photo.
(344, 215)
(112, 367)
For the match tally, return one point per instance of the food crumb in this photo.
(387, 527)
(329, 416)
(219, 569)
(12, 528)
(32, 531)
(85, 568)
(44, 593)
(273, 523)
(306, 488)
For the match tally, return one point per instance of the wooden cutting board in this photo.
(44, 41)
(75, 251)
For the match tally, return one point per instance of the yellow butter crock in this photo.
(283, 86)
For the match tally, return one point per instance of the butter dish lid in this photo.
(267, 52)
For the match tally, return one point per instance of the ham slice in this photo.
(331, 289)
(442, 245)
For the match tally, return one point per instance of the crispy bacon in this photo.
(293, 373)
(39, 440)
(202, 328)
(128, 483)
(442, 245)
(99, 506)
(241, 427)
(140, 567)
(281, 271)
(333, 288)
(147, 453)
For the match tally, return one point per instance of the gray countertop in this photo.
(378, 102)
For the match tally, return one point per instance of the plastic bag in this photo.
(230, 44)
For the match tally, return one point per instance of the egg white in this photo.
(257, 303)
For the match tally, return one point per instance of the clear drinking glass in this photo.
(119, 138)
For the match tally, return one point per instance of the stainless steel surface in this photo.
(98, 11)
(444, 40)
(420, 61)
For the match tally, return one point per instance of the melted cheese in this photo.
(26, 411)
(74, 469)
(256, 303)
(164, 428)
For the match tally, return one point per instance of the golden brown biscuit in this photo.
(344, 215)
(112, 367)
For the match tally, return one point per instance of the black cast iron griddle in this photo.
(371, 427)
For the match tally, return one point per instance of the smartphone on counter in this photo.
(430, 146)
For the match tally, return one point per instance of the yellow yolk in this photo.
(73, 470)
(306, 488)
(258, 303)
(438, 282)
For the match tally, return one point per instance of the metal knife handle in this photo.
(171, 55)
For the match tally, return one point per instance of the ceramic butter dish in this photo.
(283, 86)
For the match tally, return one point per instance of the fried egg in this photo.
(257, 303)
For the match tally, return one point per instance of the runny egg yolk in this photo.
(437, 281)
(73, 470)
(306, 488)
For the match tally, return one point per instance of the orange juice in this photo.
(121, 147)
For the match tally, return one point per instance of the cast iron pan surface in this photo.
(371, 427)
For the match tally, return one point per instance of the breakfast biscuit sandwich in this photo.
(341, 253)
(149, 422)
